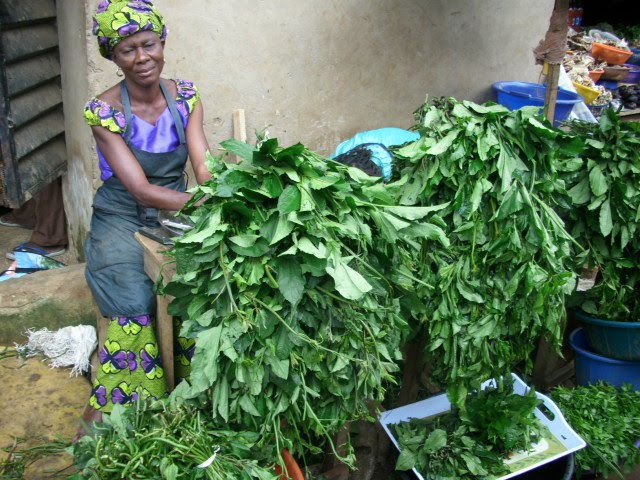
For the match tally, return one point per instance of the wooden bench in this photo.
(155, 263)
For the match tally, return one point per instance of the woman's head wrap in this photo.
(116, 20)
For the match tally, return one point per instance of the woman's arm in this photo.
(127, 169)
(197, 143)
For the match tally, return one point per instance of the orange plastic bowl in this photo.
(596, 74)
(611, 55)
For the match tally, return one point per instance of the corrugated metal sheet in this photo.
(32, 150)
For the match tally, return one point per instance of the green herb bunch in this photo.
(608, 419)
(471, 443)
(172, 442)
(501, 284)
(290, 282)
(605, 214)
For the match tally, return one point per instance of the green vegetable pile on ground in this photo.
(605, 215)
(501, 284)
(471, 443)
(608, 418)
(290, 282)
(157, 440)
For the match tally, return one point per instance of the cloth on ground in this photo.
(27, 262)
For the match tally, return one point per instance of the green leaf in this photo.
(349, 283)
(406, 460)
(289, 201)
(205, 360)
(598, 181)
(414, 213)
(443, 145)
(436, 440)
(279, 367)
(291, 282)
(248, 406)
(580, 193)
(606, 222)
(236, 147)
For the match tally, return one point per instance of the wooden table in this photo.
(630, 115)
(156, 263)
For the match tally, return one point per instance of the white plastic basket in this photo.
(439, 404)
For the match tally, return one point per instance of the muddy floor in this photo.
(39, 404)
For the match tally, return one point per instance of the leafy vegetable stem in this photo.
(546, 208)
(339, 299)
(369, 267)
(473, 250)
(272, 280)
(303, 337)
(493, 213)
(373, 339)
(411, 277)
(226, 277)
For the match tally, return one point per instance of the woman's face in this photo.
(140, 57)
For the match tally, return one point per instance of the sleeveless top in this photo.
(157, 138)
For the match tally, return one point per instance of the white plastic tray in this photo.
(438, 404)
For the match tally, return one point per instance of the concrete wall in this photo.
(311, 71)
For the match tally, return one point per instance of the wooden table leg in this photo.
(164, 332)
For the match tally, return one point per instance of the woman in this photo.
(145, 127)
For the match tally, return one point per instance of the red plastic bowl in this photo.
(611, 55)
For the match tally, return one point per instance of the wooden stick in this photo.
(239, 128)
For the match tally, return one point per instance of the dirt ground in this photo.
(39, 404)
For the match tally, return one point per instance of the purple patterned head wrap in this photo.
(116, 20)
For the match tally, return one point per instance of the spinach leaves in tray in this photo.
(471, 443)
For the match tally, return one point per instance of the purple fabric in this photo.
(159, 138)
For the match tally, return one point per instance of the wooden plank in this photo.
(18, 11)
(33, 103)
(29, 73)
(27, 41)
(239, 128)
(155, 263)
(551, 94)
(37, 133)
(42, 166)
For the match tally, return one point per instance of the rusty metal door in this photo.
(32, 147)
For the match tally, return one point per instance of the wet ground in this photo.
(39, 404)
(36, 401)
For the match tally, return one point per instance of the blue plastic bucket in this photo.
(612, 339)
(515, 95)
(591, 367)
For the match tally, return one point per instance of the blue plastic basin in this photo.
(515, 95)
(612, 339)
(590, 368)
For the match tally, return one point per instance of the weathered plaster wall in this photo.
(317, 71)
(79, 182)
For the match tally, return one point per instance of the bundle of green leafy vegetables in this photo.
(290, 282)
(471, 443)
(501, 284)
(172, 442)
(608, 418)
(605, 214)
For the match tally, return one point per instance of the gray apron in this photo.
(115, 267)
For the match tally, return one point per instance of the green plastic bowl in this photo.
(612, 339)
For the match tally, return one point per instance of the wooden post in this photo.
(239, 128)
(552, 91)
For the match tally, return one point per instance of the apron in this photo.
(115, 260)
